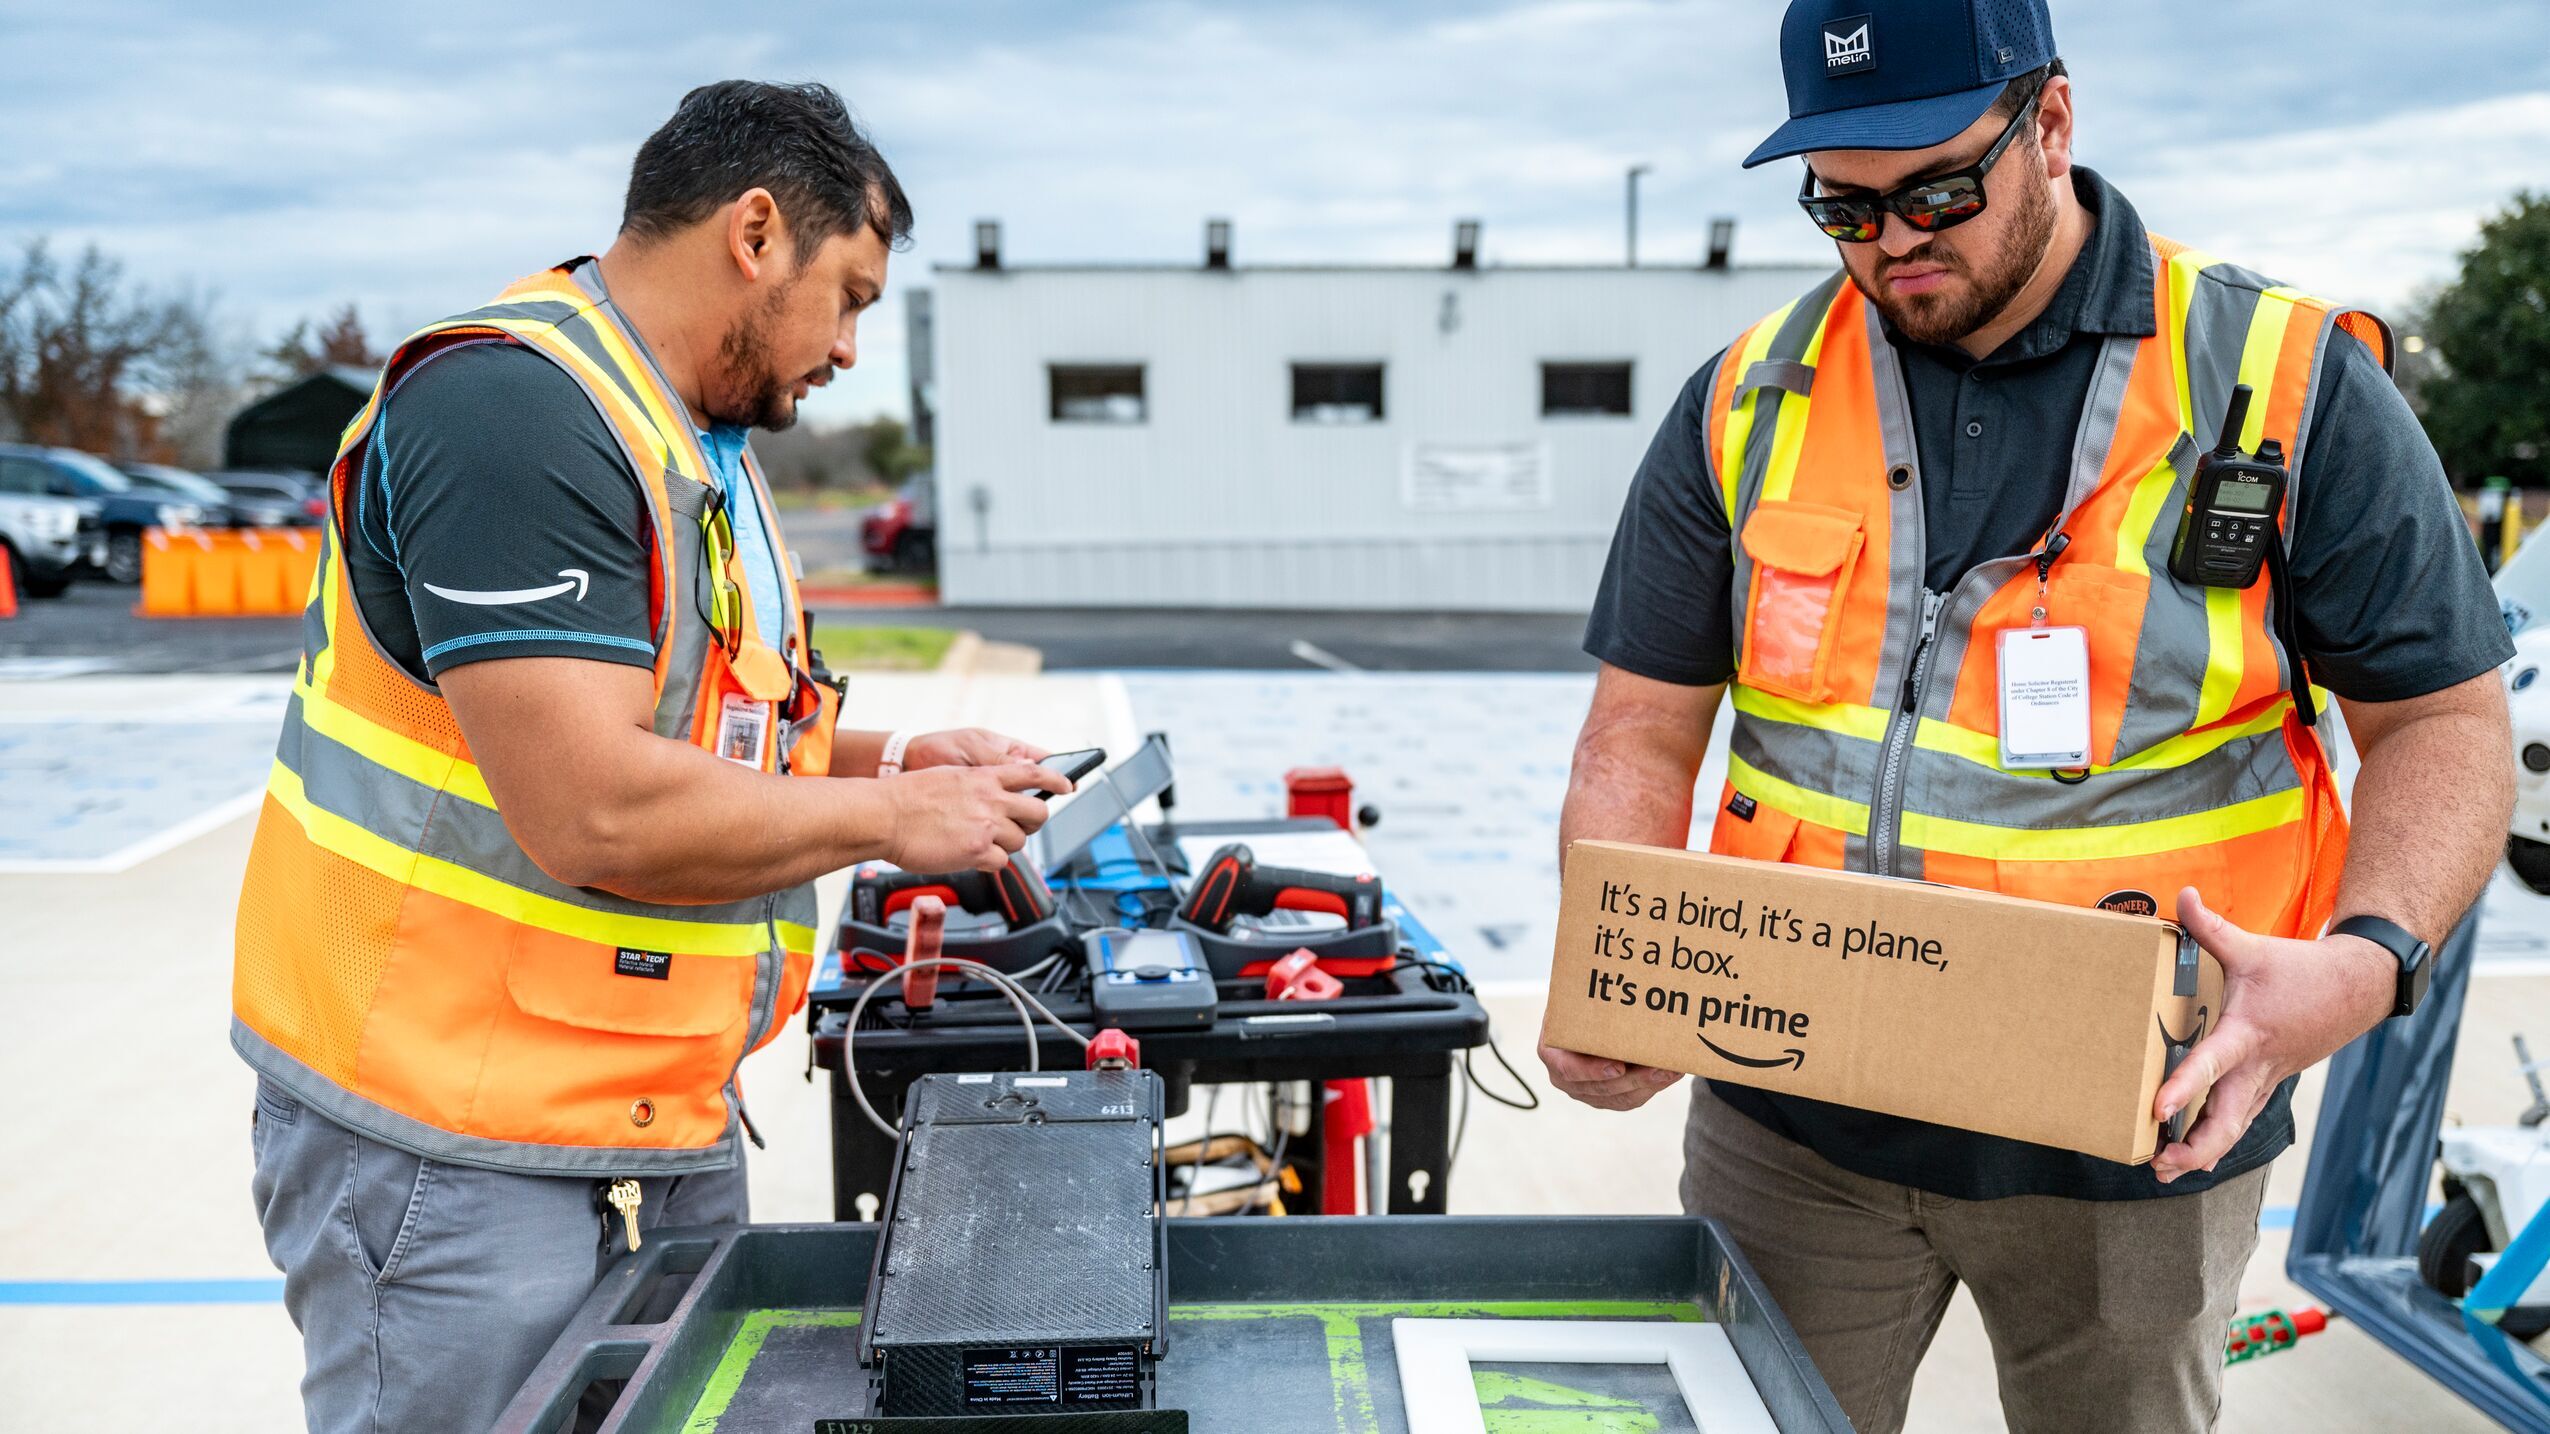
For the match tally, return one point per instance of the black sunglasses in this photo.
(1940, 202)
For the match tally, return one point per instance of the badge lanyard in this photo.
(2044, 685)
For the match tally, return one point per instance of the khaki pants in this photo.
(2104, 1315)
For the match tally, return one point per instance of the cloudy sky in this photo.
(411, 158)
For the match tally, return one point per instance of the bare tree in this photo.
(89, 361)
(306, 348)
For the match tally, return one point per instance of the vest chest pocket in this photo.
(1803, 555)
(598, 1045)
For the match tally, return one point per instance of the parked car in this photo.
(901, 534)
(45, 536)
(299, 496)
(123, 511)
(179, 485)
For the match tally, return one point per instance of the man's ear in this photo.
(756, 235)
(2054, 125)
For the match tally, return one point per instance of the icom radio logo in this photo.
(1846, 46)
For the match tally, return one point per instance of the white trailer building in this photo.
(1409, 438)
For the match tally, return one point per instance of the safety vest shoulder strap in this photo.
(1750, 412)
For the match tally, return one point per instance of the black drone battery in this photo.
(1019, 1268)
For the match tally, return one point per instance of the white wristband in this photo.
(890, 761)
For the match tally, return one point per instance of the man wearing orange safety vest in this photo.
(1986, 424)
(534, 869)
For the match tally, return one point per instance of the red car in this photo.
(900, 535)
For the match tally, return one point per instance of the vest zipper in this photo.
(1899, 735)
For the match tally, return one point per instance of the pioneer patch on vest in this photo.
(2130, 902)
(653, 965)
(1741, 808)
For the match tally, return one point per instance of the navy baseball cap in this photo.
(1899, 74)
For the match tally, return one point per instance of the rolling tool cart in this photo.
(1116, 894)
(1285, 1325)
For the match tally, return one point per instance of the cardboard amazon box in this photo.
(2039, 1022)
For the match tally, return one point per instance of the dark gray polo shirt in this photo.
(2388, 609)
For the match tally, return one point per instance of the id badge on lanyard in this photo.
(2045, 697)
(743, 730)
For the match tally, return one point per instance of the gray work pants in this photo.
(2104, 1315)
(426, 1292)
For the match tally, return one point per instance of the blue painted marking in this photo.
(141, 1292)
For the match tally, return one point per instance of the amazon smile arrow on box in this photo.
(2045, 1023)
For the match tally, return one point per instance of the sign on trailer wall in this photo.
(1475, 477)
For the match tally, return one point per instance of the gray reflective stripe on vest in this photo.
(1907, 539)
(688, 631)
(539, 311)
(2239, 770)
(1809, 757)
(2175, 643)
(1787, 375)
(417, 818)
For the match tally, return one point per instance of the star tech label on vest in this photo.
(1848, 50)
(653, 965)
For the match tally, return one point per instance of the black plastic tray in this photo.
(728, 1328)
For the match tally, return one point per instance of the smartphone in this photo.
(1074, 765)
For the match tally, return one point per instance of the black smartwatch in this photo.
(2416, 970)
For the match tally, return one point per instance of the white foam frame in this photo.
(1441, 1397)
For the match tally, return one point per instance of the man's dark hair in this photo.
(2026, 87)
(797, 141)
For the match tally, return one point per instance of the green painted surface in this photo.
(1520, 1404)
(1526, 1405)
(728, 1377)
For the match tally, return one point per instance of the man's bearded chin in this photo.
(1946, 318)
(748, 393)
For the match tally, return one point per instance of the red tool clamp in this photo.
(1113, 1050)
(1298, 978)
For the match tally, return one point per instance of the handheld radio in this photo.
(2231, 526)
(2229, 522)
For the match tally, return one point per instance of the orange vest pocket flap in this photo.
(1806, 538)
(629, 991)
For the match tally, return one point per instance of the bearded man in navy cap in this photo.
(1986, 425)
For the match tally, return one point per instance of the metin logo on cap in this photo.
(1846, 46)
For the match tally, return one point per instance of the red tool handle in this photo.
(1233, 884)
(929, 920)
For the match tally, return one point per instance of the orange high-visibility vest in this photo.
(403, 966)
(1867, 724)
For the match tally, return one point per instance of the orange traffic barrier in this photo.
(8, 585)
(228, 573)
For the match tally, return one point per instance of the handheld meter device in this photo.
(1148, 980)
(2229, 522)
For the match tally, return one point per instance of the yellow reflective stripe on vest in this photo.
(2226, 656)
(2142, 511)
(2182, 276)
(1817, 807)
(1757, 343)
(2130, 839)
(1848, 718)
(1868, 724)
(420, 763)
(379, 854)
(1788, 430)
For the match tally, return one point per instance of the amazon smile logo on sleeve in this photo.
(576, 578)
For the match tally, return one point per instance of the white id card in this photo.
(743, 726)
(2045, 697)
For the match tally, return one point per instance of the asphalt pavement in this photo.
(92, 629)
